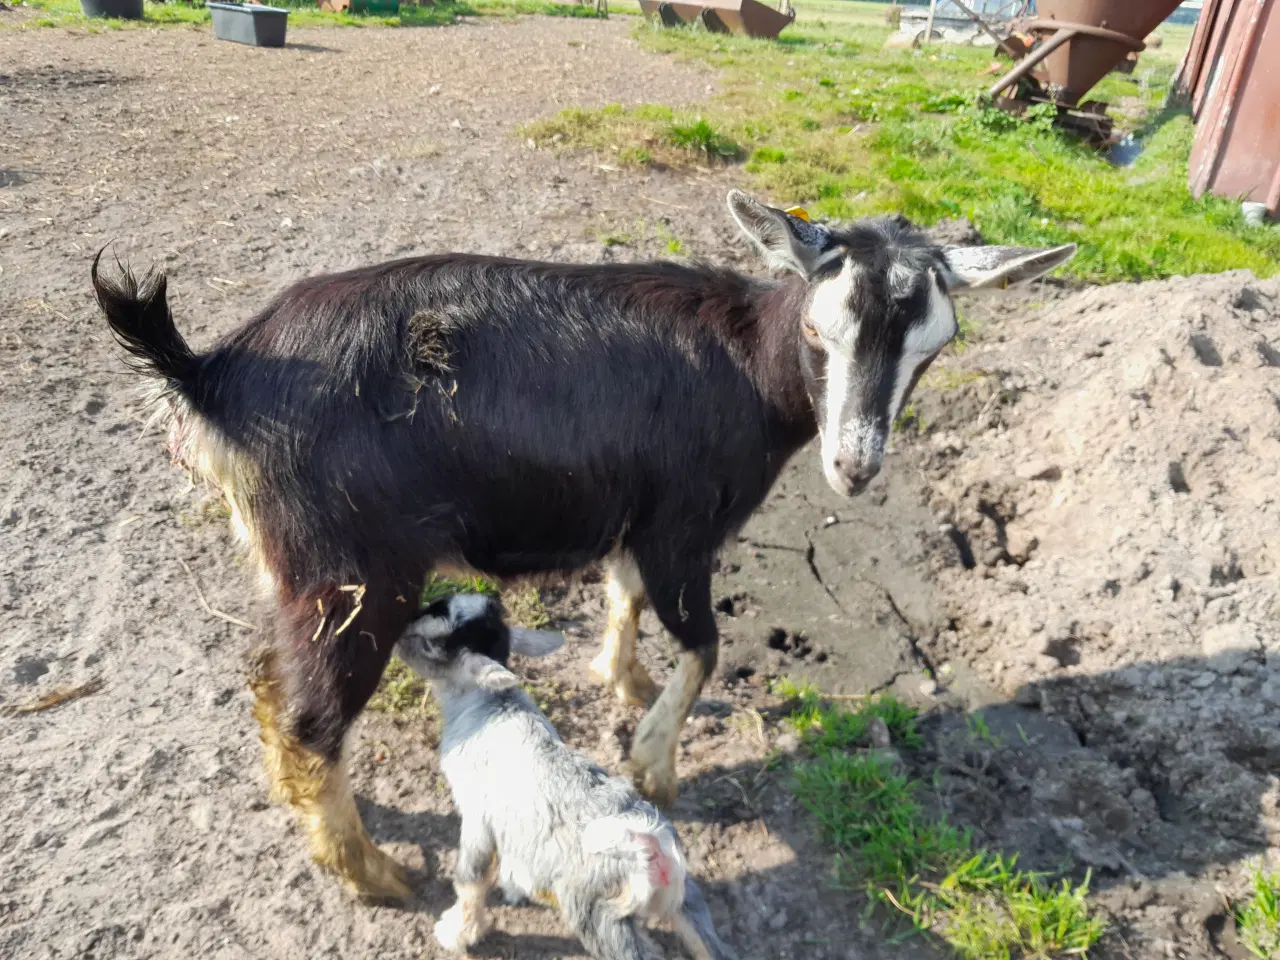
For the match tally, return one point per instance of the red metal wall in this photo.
(1232, 74)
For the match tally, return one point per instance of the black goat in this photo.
(515, 418)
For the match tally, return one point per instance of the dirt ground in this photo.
(1080, 540)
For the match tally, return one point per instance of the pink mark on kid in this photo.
(659, 865)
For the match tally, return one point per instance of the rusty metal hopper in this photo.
(746, 17)
(1104, 32)
(1075, 43)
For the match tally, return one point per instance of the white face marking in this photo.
(829, 309)
(924, 339)
(853, 435)
(829, 314)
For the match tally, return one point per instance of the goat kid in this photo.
(517, 418)
(539, 819)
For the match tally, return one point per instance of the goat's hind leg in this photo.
(463, 924)
(616, 665)
(330, 652)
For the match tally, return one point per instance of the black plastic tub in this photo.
(249, 23)
(124, 9)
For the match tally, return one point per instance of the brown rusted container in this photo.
(748, 17)
(1107, 31)
(1232, 73)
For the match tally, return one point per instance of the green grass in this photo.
(305, 13)
(825, 117)
(1258, 918)
(67, 13)
(401, 692)
(919, 866)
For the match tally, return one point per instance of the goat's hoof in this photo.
(656, 784)
(636, 688)
(456, 931)
(380, 878)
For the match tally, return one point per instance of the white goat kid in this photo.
(539, 819)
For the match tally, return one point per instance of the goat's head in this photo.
(463, 639)
(877, 312)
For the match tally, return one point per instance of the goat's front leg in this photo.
(463, 924)
(330, 651)
(616, 665)
(684, 606)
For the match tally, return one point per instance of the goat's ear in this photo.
(986, 268)
(787, 242)
(487, 674)
(535, 643)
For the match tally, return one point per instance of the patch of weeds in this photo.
(946, 379)
(674, 245)
(551, 698)
(926, 869)
(699, 136)
(635, 157)
(824, 727)
(987, 909)
(1258, 917)
(401, 692)
(909, 419)
(980, 731)
(437, 587)
(763, 155)
(544, 8)
(524, 606)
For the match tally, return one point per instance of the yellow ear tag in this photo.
(799, 213)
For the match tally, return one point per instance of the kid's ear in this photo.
(535, 643)
(486, 674)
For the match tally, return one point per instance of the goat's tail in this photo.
(139, 318)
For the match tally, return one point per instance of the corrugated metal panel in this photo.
(1232, 72)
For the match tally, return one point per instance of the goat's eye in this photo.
(811, 334)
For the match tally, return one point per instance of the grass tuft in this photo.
(1258, 917)
(926, 869)
(401, 692)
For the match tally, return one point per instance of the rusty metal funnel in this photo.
(748, 17)
(1104, 32)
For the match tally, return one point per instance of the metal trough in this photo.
(745, 17)
(1075, 43)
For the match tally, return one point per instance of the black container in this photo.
(248, 23)
(124, 9)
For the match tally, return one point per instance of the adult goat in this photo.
(516, 418)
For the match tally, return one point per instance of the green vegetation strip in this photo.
(306, 13)
(1258, 917)
(921, 867)
(826, 117)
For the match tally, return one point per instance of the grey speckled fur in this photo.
(559, 826)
